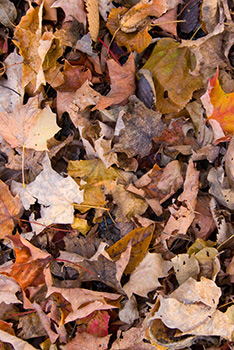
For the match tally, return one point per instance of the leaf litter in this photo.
(117, 175)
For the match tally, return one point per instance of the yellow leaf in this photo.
(140, 238)
(81, 225)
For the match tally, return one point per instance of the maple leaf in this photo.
(96, 324)
(219, 105)
(10, 208)
(171, 67)
(55, 194)
(73, 8)
(28, 126)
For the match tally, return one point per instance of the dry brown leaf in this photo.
(28, 126)
(10, 209)
(122, 83)
(93, 18)
(16, 342)
(8, 289)
(139, 125)
(140, 239)
(203, 224)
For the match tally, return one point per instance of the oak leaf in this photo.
(172, 66)
(28, 126)
(10, 208)
(219, 105)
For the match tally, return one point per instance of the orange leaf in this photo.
(10, 207)
(219, 105)
(29, 264)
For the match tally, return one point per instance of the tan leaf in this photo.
(10, 208)
(93, 18)
(144, 278)
(81, 340)
(28, 126)
(73, 8)
(17, 343)
(8, 289)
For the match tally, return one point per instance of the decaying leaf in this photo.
(139, 126)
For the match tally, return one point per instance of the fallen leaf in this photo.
(172, 66)
(203, 224)
(8, 289)
(139, 126)
(145, 277)
(128, 204)
(122, 83)
(72, 8)
(30, 327)
(54, 193)
(182, 217)
(93, 18)
(16, 342)
(81, 340)
(96, 324)
(28, 126)
(8, 13)
(219, 105)
(140, 239)
(192, 309)
(10, 209)
(185, 266)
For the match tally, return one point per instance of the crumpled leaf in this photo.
(39, 50)
(10, 209)
(185, 266)
(172, 66)
(192, 309)
(139, 125)
(72, 8)
(83, 301)
(219, 105)
(28, 126)
(128, 204)
(30, 326)
(144, 278)
(55, 194)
